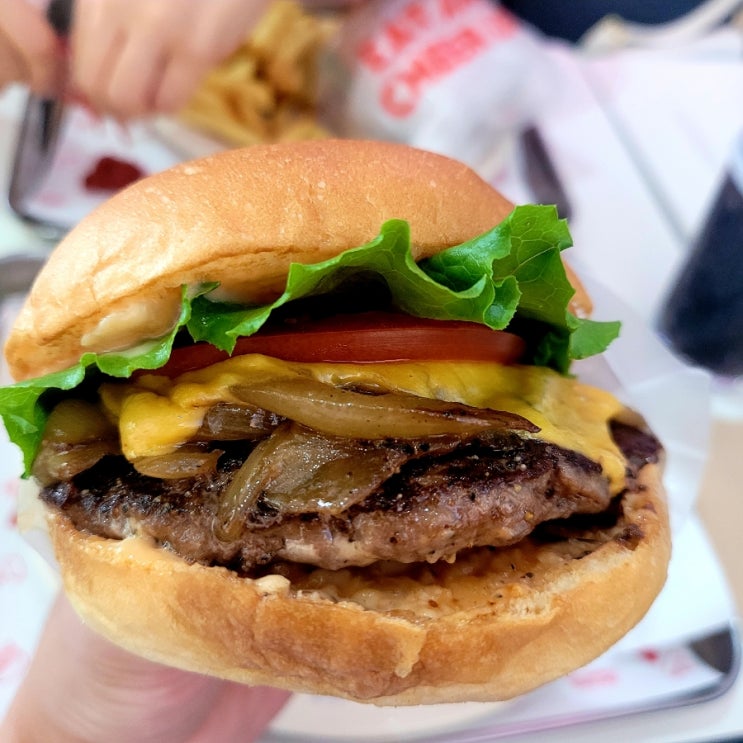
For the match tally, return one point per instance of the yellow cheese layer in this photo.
(157, 414)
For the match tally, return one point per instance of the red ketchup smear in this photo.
(112, 174)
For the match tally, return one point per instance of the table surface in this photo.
(720, 502)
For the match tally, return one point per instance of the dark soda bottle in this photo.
(702, 318)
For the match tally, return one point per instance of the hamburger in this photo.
(302, 415)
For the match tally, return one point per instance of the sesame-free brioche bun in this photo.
(238, 218)
(492, 625)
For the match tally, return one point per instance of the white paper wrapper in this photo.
(676, 401)
(674, 398)
(457, 78)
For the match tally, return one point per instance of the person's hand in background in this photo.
(82, 688)
(30, 51)
(131, 58)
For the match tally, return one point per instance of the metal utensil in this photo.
(540, 173)
(39, 131)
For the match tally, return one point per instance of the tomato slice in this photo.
(366, 337)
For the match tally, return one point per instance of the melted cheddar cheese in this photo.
(156, 414)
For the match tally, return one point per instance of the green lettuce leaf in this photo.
(20, 404)
(511, 274)
(413, 289)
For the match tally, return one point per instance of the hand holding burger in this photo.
(305, 419)
(122, 697)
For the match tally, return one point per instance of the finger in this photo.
(221, 31)
(202, 45)
(95, 43)
(133, 77)
(241, 714)
(12, 68)
(35, 43)
(177, 83)
(92, 85)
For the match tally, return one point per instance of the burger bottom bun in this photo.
(492, 625)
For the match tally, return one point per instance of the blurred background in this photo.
(628, 116)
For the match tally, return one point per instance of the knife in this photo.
(540, 173)
(39, 130)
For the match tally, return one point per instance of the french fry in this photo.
(253, 94)
(305, 127)
(286, 77)
(246, 114)
(222, 127)
(239, 68)
(267, 89)
(272, 29)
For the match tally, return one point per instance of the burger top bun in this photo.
(240, 218)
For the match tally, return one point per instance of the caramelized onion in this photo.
(315, 473)
(342, 412)
(58, 462)
(337, 484)
(246, 486)
(77, 435)
(229, 422)
(75, 421)
(298, 470)
(178, 464)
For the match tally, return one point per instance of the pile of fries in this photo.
(267, 90)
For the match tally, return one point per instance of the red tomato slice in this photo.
(363, 338)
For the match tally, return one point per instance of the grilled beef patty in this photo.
(490, 490)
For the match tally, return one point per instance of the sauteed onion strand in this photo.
(341, 412)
